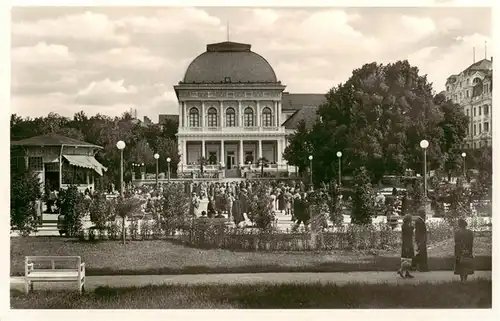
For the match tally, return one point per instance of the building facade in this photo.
(472, 90)
(230, 112)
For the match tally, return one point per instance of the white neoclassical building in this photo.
(472, 90)
(230, 111)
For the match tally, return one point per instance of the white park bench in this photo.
(72, 271)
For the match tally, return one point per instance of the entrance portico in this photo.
(230, 152)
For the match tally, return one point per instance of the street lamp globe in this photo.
(156, 156)
(424, 144)
(339, 154)
(120, 144)
(168, 159)
(310, 157)
(464, 154)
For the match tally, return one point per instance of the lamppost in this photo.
(156, 156)
(311, 167)
(339, 156)
(121, 145)
(463, 162)
(424, 144)
(286, 163)
(168, 169)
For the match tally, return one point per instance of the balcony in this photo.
(235, 130)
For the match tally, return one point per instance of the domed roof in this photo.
(229, 62)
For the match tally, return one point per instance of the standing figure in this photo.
(420, 259)
(407, 250)
(464, 258)
(194, 205)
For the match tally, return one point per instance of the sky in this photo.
(109, 60)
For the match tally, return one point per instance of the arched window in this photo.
(248, 117)
(267, 117)
(230, 117)
(194, 117)
(476, 80)
(212, 117)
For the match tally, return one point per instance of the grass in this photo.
(474, 294)
(164, 257)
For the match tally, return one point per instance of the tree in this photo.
(363, 201)
(125, 207)
(24, 191)
(377, 119)
(300, 148)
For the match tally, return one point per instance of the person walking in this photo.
(407, 250)
(464, 259)
(420, 260)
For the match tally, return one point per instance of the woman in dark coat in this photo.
(237, 213)
(407, 250)
(464, 259)
(211, 208)
(420, 259)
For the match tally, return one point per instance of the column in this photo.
(258, 114)
(240, 115)
(184, 151)
(260, 149)
(222, 152)
(278, 113)
(181, 114)
(242, 160)
(221, 108)
(278, 152)
(186, 121)
(203, 147)
(202, 123)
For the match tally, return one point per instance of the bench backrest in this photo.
(71, 262)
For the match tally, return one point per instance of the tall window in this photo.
(212, 117)
(479, 128)
(486, 110)
(267, 117)
(479, 111)
(474, 111)
(248, 117)
(486, 126)
(475, 132)
(194, 117)
(230, 117)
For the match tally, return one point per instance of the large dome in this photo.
(229, 62)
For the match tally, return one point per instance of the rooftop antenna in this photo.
(473, 55)
(485, 49)
(227, 29)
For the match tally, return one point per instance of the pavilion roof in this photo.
(52, 139)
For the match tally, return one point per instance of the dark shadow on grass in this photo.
(474, 294)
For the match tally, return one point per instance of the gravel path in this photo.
(251, 278)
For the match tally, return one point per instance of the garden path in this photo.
(339, 278)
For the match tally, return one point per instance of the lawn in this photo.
(474, 294)
(166, 257)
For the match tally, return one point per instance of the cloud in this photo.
(416, 28)
(42, 54)
(105, 91)
(129, 58)
(169, 21)
(87, 26)
(109, 60)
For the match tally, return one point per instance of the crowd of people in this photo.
(231, 200)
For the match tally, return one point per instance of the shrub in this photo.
(145, 228)
(99, 210)
(173, 207)
(25, 190)
(125, 207)
(74, 207)
(363, 201)
(113, 230)
(133, 229)
(260, 207)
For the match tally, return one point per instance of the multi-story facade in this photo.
(230, 111)
(472, 90)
